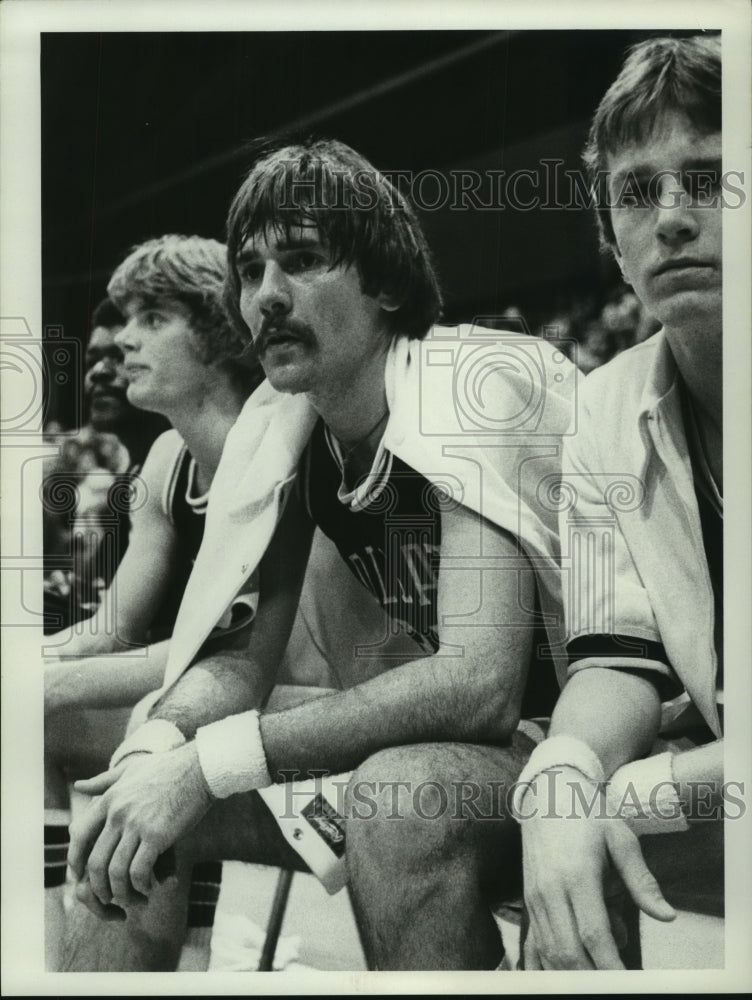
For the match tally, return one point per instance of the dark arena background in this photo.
(147, 133)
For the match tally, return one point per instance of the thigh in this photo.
(475, 782)
(242, 828)
(470, 777)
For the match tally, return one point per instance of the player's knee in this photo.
(405, 805)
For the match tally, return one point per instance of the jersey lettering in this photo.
(392, 548)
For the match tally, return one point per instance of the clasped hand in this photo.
(139, 810)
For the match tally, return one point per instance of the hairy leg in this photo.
(240, 828)
(430, 847)
(78, 742)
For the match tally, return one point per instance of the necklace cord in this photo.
(346, 453)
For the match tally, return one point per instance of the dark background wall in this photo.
(144, 134)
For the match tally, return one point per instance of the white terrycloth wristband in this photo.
(644, 794)
(154, 736)
(556, 751)
(231, 754)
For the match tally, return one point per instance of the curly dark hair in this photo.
(107, 315)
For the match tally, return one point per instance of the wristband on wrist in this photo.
(644, 794)
(556, 751)
(231, 755)
(153, 736)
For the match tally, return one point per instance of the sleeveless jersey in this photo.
(187, 515)
(391, 544)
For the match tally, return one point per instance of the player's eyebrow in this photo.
(246, 254)
(645, 170)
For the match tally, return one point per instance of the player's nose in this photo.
(274, 293)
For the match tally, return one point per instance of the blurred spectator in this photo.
(80, 509)
(105, 386)
(622, 323)
(85, 492)
(601, 331)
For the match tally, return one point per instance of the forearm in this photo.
(104, 681)
(215, 687)
(96, 640)
(130, 608)
(432, 699)
(236, 671)
(617, 714)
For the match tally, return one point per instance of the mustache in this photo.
(273, 326)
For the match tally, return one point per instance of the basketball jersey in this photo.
(391, 544)
(186, 512)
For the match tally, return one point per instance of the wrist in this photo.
(154, 736)
(645, 795)
(193, 775)
(557, 753)
(231, 755)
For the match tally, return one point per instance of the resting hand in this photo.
(566, 859)
(141, 808)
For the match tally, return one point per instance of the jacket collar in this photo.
(660, 402)
(661, 377)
